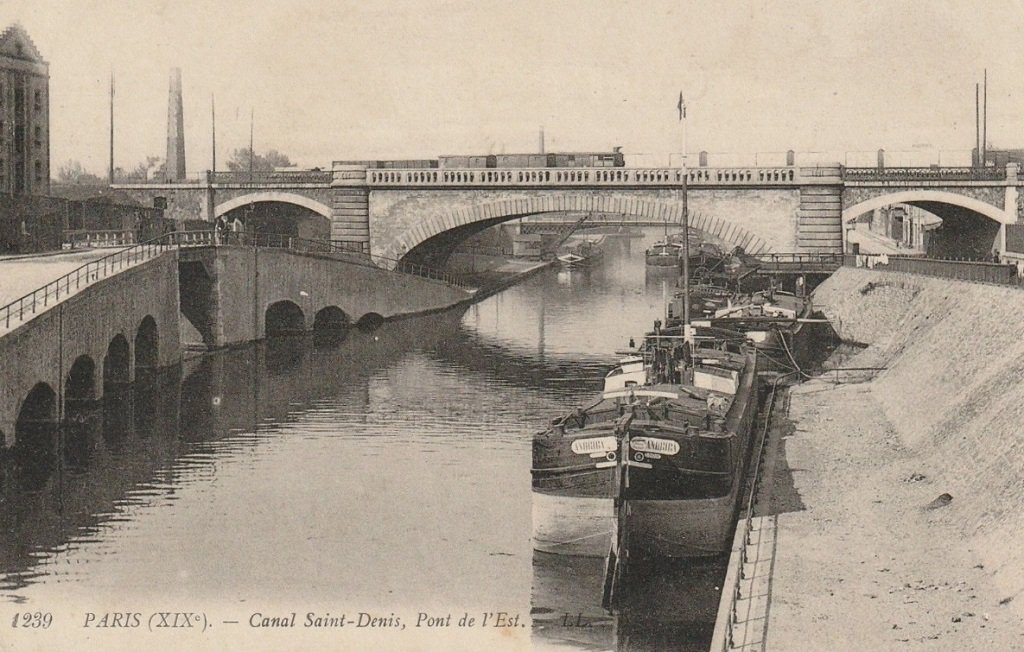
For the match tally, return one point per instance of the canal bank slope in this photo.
(899, 498)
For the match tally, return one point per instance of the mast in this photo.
(111, 127)
(686, 224)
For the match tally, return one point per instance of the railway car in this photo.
(610, 159)
(613, 158)
(395, 164)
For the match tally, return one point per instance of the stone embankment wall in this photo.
(953, 390)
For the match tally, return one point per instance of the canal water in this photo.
(383, 473)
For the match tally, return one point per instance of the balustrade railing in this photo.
(925, 174)
(29, 305)
(561, 177)
(99, 238)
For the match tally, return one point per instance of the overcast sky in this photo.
(375, 78)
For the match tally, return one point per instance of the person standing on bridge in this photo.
(220, 230)
(237, 228)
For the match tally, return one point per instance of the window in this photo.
(159, 202)
(19, 139)
(38, 136)
(38, 171)
(37, 100)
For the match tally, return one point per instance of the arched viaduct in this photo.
(59, 361)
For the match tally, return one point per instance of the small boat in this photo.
(656, 463)
(581, 254)
(663, 253)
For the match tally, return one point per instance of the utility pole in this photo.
(984, 120)
(977, 125)
(213, 134)
(252, 118)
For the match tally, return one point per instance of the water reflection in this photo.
(58, 485)
(667, 605)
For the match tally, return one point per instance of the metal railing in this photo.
(735, 591)
(925, 174)
(340, 250)
(319, 177)
(965, 270)
(783, 262)
(41, 298)
(281, 177)
(36, 301)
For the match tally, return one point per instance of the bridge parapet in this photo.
(927, 174)
(285, 177)
(582, 177)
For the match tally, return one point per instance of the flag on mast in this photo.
(681, 106)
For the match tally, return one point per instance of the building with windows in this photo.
(24, 115)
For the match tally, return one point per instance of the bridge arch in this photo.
(35, 432)
(117, 363)
(147, 345)
(491, 213)
(970, 227)
(80, 386)
(284, 318)
(370, 322)
(330, 318)
(917, 197)
(283, 197)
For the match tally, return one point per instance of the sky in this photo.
(415, 79)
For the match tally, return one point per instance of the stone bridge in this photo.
(976, 205)
(421, 214)
(63, 353)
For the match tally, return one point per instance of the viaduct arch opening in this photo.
(35, 446)
(278, 213)
(117, 391)
(147, 346)
(444, 234)
(966, 227)
(331, 319)
(284, 318)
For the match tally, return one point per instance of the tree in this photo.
(239, 161)
(73, 172)
(151, 168)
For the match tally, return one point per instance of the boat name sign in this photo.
(595, 445)
(654, 445)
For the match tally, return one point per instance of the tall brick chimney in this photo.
(175, 168)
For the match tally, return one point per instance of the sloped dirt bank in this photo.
(867, 564)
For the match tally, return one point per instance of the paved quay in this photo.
(20, 275)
